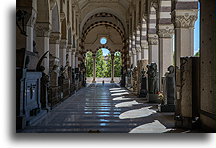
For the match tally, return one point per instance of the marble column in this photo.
(63, 52)
(42, 42)
(137, 43)
(144, 51)
(134, 51)
(69, 53)
(165, 32)
(112, 68)
(54, 58)
(134, 57)
(73, 58)
(184, 21)
(30, 31)
(153, 48)
(94, 68)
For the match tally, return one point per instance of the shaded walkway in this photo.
(105, 109)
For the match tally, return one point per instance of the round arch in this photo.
(102, 10)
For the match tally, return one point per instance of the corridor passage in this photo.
(104, 108)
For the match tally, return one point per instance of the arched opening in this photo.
(89, 64)
(117, 64)
(103, 64)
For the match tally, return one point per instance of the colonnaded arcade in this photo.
(169, 89)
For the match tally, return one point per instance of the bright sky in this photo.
(105, 51)
(197, 33)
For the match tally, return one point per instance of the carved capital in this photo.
(52, 4)
(153, 39)
(62, 16)
(69, 47)
(130, 53)
(133, 51)
(55, 37)
(165, 31)
(63, 44)
(138, 49)
(73, 50)
(184, 18)
(144, 45)
(43, 29)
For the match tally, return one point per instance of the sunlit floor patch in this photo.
(127, 104)
(154, 127)
(118, 91)
(115, 89)
(137, 113)
(122, 99)
(119, 94)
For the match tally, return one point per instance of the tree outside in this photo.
(117, 64)
(89, 64)
(103, 64)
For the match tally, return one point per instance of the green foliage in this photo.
(103, 64)
(89, 64)
(117, 64)
(108, 66)
(100, 64)
(197, 54)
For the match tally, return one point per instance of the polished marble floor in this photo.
(104, 108)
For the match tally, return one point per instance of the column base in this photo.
(93, 81)
(112, 81)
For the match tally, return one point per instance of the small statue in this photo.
(143, 89)
(152, 78)
(135, 78)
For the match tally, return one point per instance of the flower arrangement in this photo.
(161, 97)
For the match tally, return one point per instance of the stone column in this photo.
(42, 42)
(153, 48)
(69, 53)
(165, 32)
(63, 52)
(184, 21)
(94, 68)
(137, 43)
(30, 31)
(54, 43)
(134, 51)
(73, 58)
(54, 58)
(77, 60)
(145, 51)
(134, 57)
(112, 69)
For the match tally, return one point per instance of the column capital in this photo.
(73, 50)
(55, 37)
(63, 44)
(165, 30)
(138, 49)
(134, 51)
(144, 45)
(43, 29)
(69, 46)
(153, 39)
(62, 16)
(130, 53)
(184, 18)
